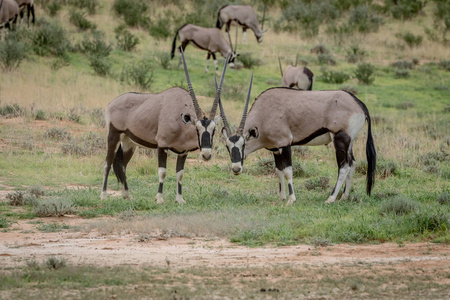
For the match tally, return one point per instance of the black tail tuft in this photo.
(119, 166)
(371, 158)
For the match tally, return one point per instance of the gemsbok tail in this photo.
(119, 165)
(219, 22)
(174, 44)
(371, 154)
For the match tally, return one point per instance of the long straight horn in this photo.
(244, 115)
(229, 38)
(222, 114)
(281, 69)
(218, 89)
(198, 111)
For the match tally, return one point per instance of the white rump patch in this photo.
(355, 123)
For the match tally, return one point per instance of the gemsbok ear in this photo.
(224, 132)
(252, 133)
(187, 119)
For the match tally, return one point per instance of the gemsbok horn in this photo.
(282, 117)
(170, 120)
(300, 78)
(208, 39)
(244, 16)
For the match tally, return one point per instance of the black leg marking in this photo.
(162, 158)
(160, 188)
(291, 189)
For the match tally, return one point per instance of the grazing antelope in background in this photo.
(301, 78)
(208, 39)
(9, 11)
(244, 15)
(29, 5)
(170, 120)
(282, 117)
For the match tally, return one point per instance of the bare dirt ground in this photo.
(89, 246)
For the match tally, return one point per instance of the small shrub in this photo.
(134, 12)
(52, 7)
(248, 61)
(54, 263)
(94, 45)
(403, 64)
(19, 198)
(443, 198)
(90, 5)
(160, 30)
(100, 64)
(326, 59)
(163, 58)
(407, 9)
(355, 54)
(59, 134)
(398, 205)
(97, 117)
(364, 20)
(386, 168)
(53, 207)
(402, 73)
(410, 39)
(74, 115)
(318, 183)
(79, 20)
(4, 222)
(138, 74)
(331, 76)
(319, 49)
(39, 115)
(12, 52)
(125, 39)
(50, 39)
(365, 73)
(88, 144)
(445, 64)
(12, 111)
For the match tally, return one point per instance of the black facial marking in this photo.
(235, 155)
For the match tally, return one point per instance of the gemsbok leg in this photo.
(162, 171)
(342, 143)
(112, 143)
(283, 164)
(181, 159)
(128, 148)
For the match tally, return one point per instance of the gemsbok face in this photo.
(282, 117)
(170, 120)
(208, 39)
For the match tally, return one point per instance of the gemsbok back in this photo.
(208, 39)
(170, 120)
(282, 117)
(300, 78)
(243, 15)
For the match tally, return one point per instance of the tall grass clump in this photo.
(138, 74)
(133, 12)
(398, 205)
(79, 20)
(53, 207)
(12, 52)
(50, 39)
(125, 39)
(248, 61)
(365, 73)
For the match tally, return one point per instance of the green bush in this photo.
(320, 49)
(355, 54)
(410, 39)
(50, 39)
(163, 57)
(12, 110)
(90, 5)
(318, 183)
(12, 52)
(19, 198)
(54, 263)
(134, 12)
(431, 221)
(248, 61)
(331, 76)
(101, 64)
(445, 64)
(441, 15)
(402, 73)
(403, 64)
(79, 20)
(407, 9)
(52, 7)
(326, 59)
(94, 45)
(363, 19)
(125, 39)
(58, 134)
(365, 73)
(161, 29)
(53, 207)
(138, 74)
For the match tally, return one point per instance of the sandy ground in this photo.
(25, 242)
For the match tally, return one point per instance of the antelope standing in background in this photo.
(244, 15)
(9, 11)
(208, 39)
(29, 5)
(282, 117)
(171, 120)
(301, 78)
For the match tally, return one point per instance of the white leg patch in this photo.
(281, 186)
(159, 198)
(343, 172)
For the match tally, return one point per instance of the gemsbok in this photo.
(283, 117)
(170, 120)
(29, 5)
(9, 11)
(208, 39)
(300, 78)
(243, 15)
